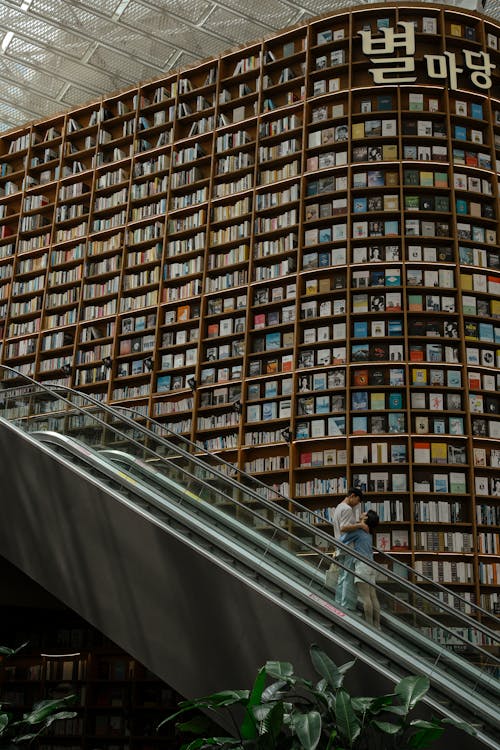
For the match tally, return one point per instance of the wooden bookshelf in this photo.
(119, 703)
(289, 255)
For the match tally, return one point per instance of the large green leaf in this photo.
(321, 685)
(411, 690)
(273, 723)
(44, 709)
(280, 670)
(347, 722)
(25, 737)
(59, 716)
(347, 666)
(325, 667)
(248, 729)
(386, 726)
(228, 697)
(222, 742)
(200, 725)
(427, 733)
(308, 729)
(365, 704)
(274, 692)
(261, 712)
(223, 699)
(4, 722)
(6, 651)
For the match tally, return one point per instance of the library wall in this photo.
(288, 254)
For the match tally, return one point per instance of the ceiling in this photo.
(57, 54)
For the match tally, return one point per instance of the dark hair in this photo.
(372, 519)
(356, 491)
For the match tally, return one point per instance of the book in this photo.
(399, 540)
(359, 425)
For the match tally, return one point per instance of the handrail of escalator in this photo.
(254, 480)
(463, 667)
(249, 477)
(53, 390)
(419, 641)
(301, 508)
(480, 707)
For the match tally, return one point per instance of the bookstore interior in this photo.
(288, 254)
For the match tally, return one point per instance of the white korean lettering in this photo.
(443, 66)
(481, 72)
(392, 69)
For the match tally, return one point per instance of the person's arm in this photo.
(346, 522)
(354, 527)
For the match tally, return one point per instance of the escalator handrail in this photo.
(439, 678)
(73, 444)
(321, 532)
(53, 390)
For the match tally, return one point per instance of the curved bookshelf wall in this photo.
(307, 228)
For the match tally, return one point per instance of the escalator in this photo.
(180, 563)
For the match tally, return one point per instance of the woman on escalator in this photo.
(362, 542)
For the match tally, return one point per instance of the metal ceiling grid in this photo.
(56, 54)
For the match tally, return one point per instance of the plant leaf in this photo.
(60, 715)
(248, 729)
(347, 666)
(372, 705)
(347, 722)
(25, 737)
(6, 651)
(428, 733)
(321, 685)
(397, 710)
(279, 670)
(222, 742)
(386, 726)
(42, 710)
(412, 689)
(200, 724)
(308, 729)
(260, 712)
(4, 722)
(274, 692)
(274, 721)
(213, 702)
(325, 667)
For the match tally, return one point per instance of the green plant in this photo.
(292, 713)
(35, 722)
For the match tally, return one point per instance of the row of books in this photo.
(392, 541)
(440, 425)
(375, 424)
(445, 571)
(485, 485)
(380, 481)
(438, 453)
(443, 541)
(439, 511)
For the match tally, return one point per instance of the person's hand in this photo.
(363, 526)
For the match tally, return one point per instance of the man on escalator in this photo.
(346, 519)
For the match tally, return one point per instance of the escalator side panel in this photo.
(190, 621)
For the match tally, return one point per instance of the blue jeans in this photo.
(346, 594)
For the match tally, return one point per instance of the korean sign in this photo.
(388, 68)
